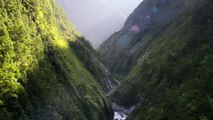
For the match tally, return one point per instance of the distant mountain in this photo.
(98, 19)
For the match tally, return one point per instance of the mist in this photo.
(98, 19)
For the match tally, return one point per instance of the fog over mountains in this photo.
(98, 19)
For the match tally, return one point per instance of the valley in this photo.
(158, 55)
(120, 113)
(158, 66)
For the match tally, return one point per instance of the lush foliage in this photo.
(40, 75)
(171, 69)
(84, 51)
(183, 72)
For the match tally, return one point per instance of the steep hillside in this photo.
(41, 78)
(164, 55)
(92, 61)
(122, 49)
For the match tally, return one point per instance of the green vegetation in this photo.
(89, 58)
(40, 76)
(171, 73)
(183, 71)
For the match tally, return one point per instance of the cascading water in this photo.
(120, 113)
(107, 80)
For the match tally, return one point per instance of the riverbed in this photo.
(120, 112)
(119, 116)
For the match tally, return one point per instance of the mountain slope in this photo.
(40, 76)
(164, 53)
(139, 31)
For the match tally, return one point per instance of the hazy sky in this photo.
(98, 19)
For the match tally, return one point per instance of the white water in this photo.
(119, 116)
(120, 113)
(108, 81)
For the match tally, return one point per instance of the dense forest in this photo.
(166, 63)
(41, 78)
(157, 67)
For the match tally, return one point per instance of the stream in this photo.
(120, 112)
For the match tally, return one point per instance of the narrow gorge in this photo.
(158, 66)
